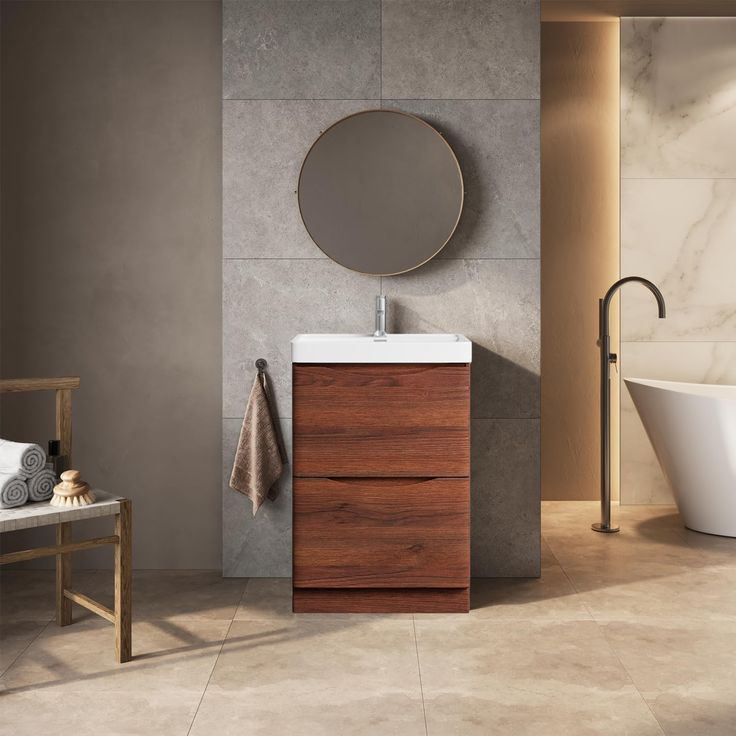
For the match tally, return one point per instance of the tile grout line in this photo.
(419, 672)
(27, 647)
(605, 638)
(628, 674)
(569, 580)
(212, 671)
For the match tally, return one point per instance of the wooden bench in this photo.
(43, 514)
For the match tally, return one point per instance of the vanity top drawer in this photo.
(381, 420)
(381, 533)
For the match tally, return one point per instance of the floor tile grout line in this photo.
(570, 580)
(628, 674)
(212, 671)
(27, 647)
(242, 597)
(603, 634)
(419, 672)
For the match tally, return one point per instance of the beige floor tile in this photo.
(550, 596)
(181, 594)
(66, 682)
(166, 654)
(657, 591)
(684, 669)
(153, 713)
(652, 568)
(315, 677)
(484, 677)
(30, 595)
(718, 552)
(582, 544)
(15, 636)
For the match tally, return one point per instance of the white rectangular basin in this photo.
(388, 349)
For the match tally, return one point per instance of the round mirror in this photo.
(380, 192)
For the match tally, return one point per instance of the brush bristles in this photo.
(84, 500)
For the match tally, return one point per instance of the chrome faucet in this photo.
(607, 358)
(380, 317)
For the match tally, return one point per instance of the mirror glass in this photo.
(380, 192)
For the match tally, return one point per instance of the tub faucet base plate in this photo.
(598, 527)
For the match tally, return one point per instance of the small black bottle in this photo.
(57, 462)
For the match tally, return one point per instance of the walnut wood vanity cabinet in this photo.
(381, 487)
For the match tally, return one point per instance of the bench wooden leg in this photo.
(63, 575)
(123, 603)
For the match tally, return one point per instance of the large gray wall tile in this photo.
(258, 546)
(301, 49)
(497, 146)
(678, 100)
(469, 67)
(461, 49)
(264, 144)
(496, 305)
(267, 302)
(505, 498)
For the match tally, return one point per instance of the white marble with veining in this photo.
(678, 217)
(678, 97)
(681, 234)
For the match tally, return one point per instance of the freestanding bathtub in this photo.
(692, 427)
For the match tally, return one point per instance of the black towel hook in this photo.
(261, 365)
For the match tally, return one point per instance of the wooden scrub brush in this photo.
(72, 491)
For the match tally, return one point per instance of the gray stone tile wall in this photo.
(471, 69)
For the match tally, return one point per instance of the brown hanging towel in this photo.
(260, 456)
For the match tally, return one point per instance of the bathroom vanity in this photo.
(381, 467)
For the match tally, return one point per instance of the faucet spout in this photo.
(607, 357)
(380, 317)
(662, 307)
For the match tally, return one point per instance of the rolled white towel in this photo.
(23, 457)
(41, 485)
(13, 490)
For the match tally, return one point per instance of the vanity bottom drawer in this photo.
(381, 533)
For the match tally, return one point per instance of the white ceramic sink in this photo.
(388, 349)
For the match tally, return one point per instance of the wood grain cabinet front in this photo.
(381, 420)
(381, 494)
(381, 533)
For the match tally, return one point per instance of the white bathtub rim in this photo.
(719, 391)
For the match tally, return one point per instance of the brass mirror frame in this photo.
(439, 136)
